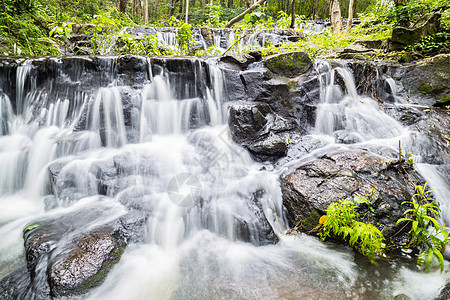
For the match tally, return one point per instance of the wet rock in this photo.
(70, 254)
(290, 64)
(311, 188)
(257, 127)
(256, 230)
(132, 71)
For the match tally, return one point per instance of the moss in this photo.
(425, 88)
(443, 101)
(289, 64)
(97, 279)
(311, 222)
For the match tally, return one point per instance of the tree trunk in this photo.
(122, 6)
(292, 14)
(202, 4)
(230, 3)
(186, 19)
(335, 16)
(350, 15)
(241, 16)
(145, 13)
(316, 14)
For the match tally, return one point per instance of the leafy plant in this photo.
(342, 222)
(213, 14)
(426, 232)
(64, 31)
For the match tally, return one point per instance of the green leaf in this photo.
(440, 258)
(31, 227)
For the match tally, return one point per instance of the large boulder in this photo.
(290, 64)
(309, 190)
(403, 36)
(69, 255)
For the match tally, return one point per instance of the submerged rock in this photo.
(309, 190)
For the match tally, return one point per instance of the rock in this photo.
(445, 293)
(238, 61)
(402, 36)
(256, 127)
(431, 86)
(269, 148)
(365, 46)
(70, 260)
(311, 188)
(256, 54)
(290, 64)
(208, 35)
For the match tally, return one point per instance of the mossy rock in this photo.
(290, 64)
(428, 25)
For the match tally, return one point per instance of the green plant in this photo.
(426, 233)
(410, 160)
(341, 222)
(213, 13)
(64, 31)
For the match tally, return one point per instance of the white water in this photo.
(192, 249)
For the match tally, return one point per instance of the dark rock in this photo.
(269, 148)
(290, 64)
(428, 25)
(258, 230)
(256, 127)
(132, 71)
(86, 255)
(310, 189)
(256, 54)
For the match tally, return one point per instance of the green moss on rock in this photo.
(311, 222)
(290, 64)
(425, 88)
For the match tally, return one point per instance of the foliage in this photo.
(284, 20)
(149, 45)
(184, 36)
(213, 13)
(63, 31)
(426, 232)
(342, 222)
(439, 42)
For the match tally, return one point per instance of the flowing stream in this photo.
(210, 204)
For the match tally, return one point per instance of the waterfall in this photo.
(106, 141)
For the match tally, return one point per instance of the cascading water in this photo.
(213, 214)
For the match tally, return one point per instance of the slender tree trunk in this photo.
(122, 6)
(202, 4)
(350, 15)
(241, 16)
(292, 14)
(316, 14)
(145, 14)
(186, 19)
(230, 3)
(335, 16)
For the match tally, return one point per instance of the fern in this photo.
(341, 222)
